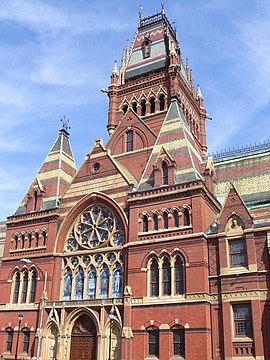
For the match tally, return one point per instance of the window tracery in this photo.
(94, 275)
(24, 286)
(97, 226)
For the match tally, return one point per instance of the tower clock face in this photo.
(97, 226)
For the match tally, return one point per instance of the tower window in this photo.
(155, 220)
(145, 223)
(33, 287)
(161, 102)
(134, 107)
(152, 105)
(186, 217)
(176, 218)
(179, 276)
(165, 173)
(166, 220)
(154, 278)
(24, 287)
(143, 106)
(35, 199)
(147, 46)
(16, 242)
(16, 288)
(129, 140)
(125, 109)
(166, 277)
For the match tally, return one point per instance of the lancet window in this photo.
(171, 271)
(24, 286)
(95, 274)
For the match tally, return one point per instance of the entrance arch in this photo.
(83, 339)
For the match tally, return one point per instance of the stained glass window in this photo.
(67, 285)
(79, 284)
(153, 342)
(91, 283)
(117, 282)
(179, 342)
(33, 287)
(104, 283)
(97, 226)
(24, 287)
(16, 288)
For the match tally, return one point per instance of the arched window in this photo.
(186, 217)
(154, 278)
(145, 223)
(16, 242)
(143, 106)
(117, 282)
(179, 276)
(104, 283)
(178, 341)
(152, 105)
(23, 241)
(67, 285)
(134, 107)
(33, 286)
(165, 173)
(79, 285)
(166, 277)
(9, 332)
(129, 140)
(44, 238)
(24, 287)
(155, 220)
(91, 283)
(161, 102)
(29, 240)
(153, 341)
(176, 218)
(166, 220)
(26, 339)
(16, 288)
(35, 199)
(37, 238)
(125, 109)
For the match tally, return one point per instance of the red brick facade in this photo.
(143, 232)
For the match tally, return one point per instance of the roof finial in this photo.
(162, 7)
(115, 69)
(65, 125)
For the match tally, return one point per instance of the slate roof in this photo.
(55, 173)
(176, 139)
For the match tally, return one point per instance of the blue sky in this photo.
(55, 56)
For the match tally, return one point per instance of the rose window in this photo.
(97, 226)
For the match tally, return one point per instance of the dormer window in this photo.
(147, 46)
(165, 173)
(35, 200)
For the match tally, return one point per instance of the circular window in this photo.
(95, 227)
(96, 167)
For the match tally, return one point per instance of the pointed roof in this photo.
(156, 33)
(176, 139)
(54, 175)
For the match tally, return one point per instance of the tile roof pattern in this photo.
(176, 138)
(55, 173)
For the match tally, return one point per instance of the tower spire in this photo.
(140, 15)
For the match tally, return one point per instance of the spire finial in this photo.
(199, 93)
(65, 124)
(163, 7)
(140, 15)
(115, 69)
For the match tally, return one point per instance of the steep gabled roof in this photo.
(54, 175)
(176, 139)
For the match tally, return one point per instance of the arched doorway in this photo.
(83, 339)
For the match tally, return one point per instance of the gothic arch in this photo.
(96, 197)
